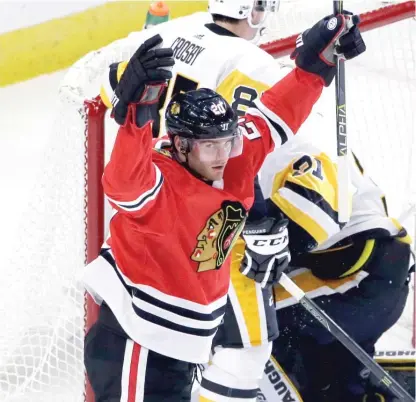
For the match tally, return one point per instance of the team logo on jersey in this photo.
(175, 109)
(164, 152)
(164, 147)
(218, 236)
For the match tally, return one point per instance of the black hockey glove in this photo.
(144, 79)
(267, 252)
(316, 47)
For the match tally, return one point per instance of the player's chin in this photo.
(216, 172)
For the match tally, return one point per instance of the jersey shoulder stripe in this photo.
(305, 192)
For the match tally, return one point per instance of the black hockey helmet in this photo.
(200, 114)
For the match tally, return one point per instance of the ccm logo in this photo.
(270, 242)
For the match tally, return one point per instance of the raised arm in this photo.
(131, 180)
(283, 108)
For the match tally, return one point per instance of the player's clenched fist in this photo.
(145, 76)
(316, 47)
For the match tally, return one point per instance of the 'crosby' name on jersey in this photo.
(186, 51)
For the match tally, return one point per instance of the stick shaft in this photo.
(341, 133)
(326, 321)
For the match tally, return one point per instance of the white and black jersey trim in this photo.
(144, 198)
(169, 316)
(169, 325)
(325, 218)
(280, 131)
(314, 197)
(160, 310)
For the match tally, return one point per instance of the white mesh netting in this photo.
(42, 339)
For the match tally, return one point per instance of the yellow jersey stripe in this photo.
(326, 188)
(365, 255)
(105, 98)
(280, 370)
(309, 282)
(407, 239)
(238, 81)
(203, 399)
(109, 86)
(300, 217)
(121, 67)
(246, 293)
(313, 196)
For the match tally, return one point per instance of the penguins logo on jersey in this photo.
(219, 234)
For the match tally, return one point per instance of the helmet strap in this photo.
(250, 21)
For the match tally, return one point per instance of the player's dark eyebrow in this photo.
(213, 221)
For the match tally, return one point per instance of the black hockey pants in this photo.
(121, 370)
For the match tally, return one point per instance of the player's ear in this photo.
(180, 145)
(183, 146)
(176, 143)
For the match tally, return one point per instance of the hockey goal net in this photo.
(42, 302)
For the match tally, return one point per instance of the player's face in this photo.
(210, 170)
(209, 157)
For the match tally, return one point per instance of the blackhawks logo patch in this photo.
(218, 236)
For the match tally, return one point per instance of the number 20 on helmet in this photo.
(204, 120)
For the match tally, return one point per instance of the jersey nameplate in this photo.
(186, 51)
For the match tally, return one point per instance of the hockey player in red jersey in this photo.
(163, 284)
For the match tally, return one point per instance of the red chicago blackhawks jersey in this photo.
(166, 276)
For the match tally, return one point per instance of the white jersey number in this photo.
(249, 130)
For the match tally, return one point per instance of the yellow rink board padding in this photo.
(58, 43)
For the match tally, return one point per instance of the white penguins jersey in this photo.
(302, 183)
(206, 56)
(295, 185)
(369, 212)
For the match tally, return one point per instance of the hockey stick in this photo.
(382, 376)
(341, 122)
